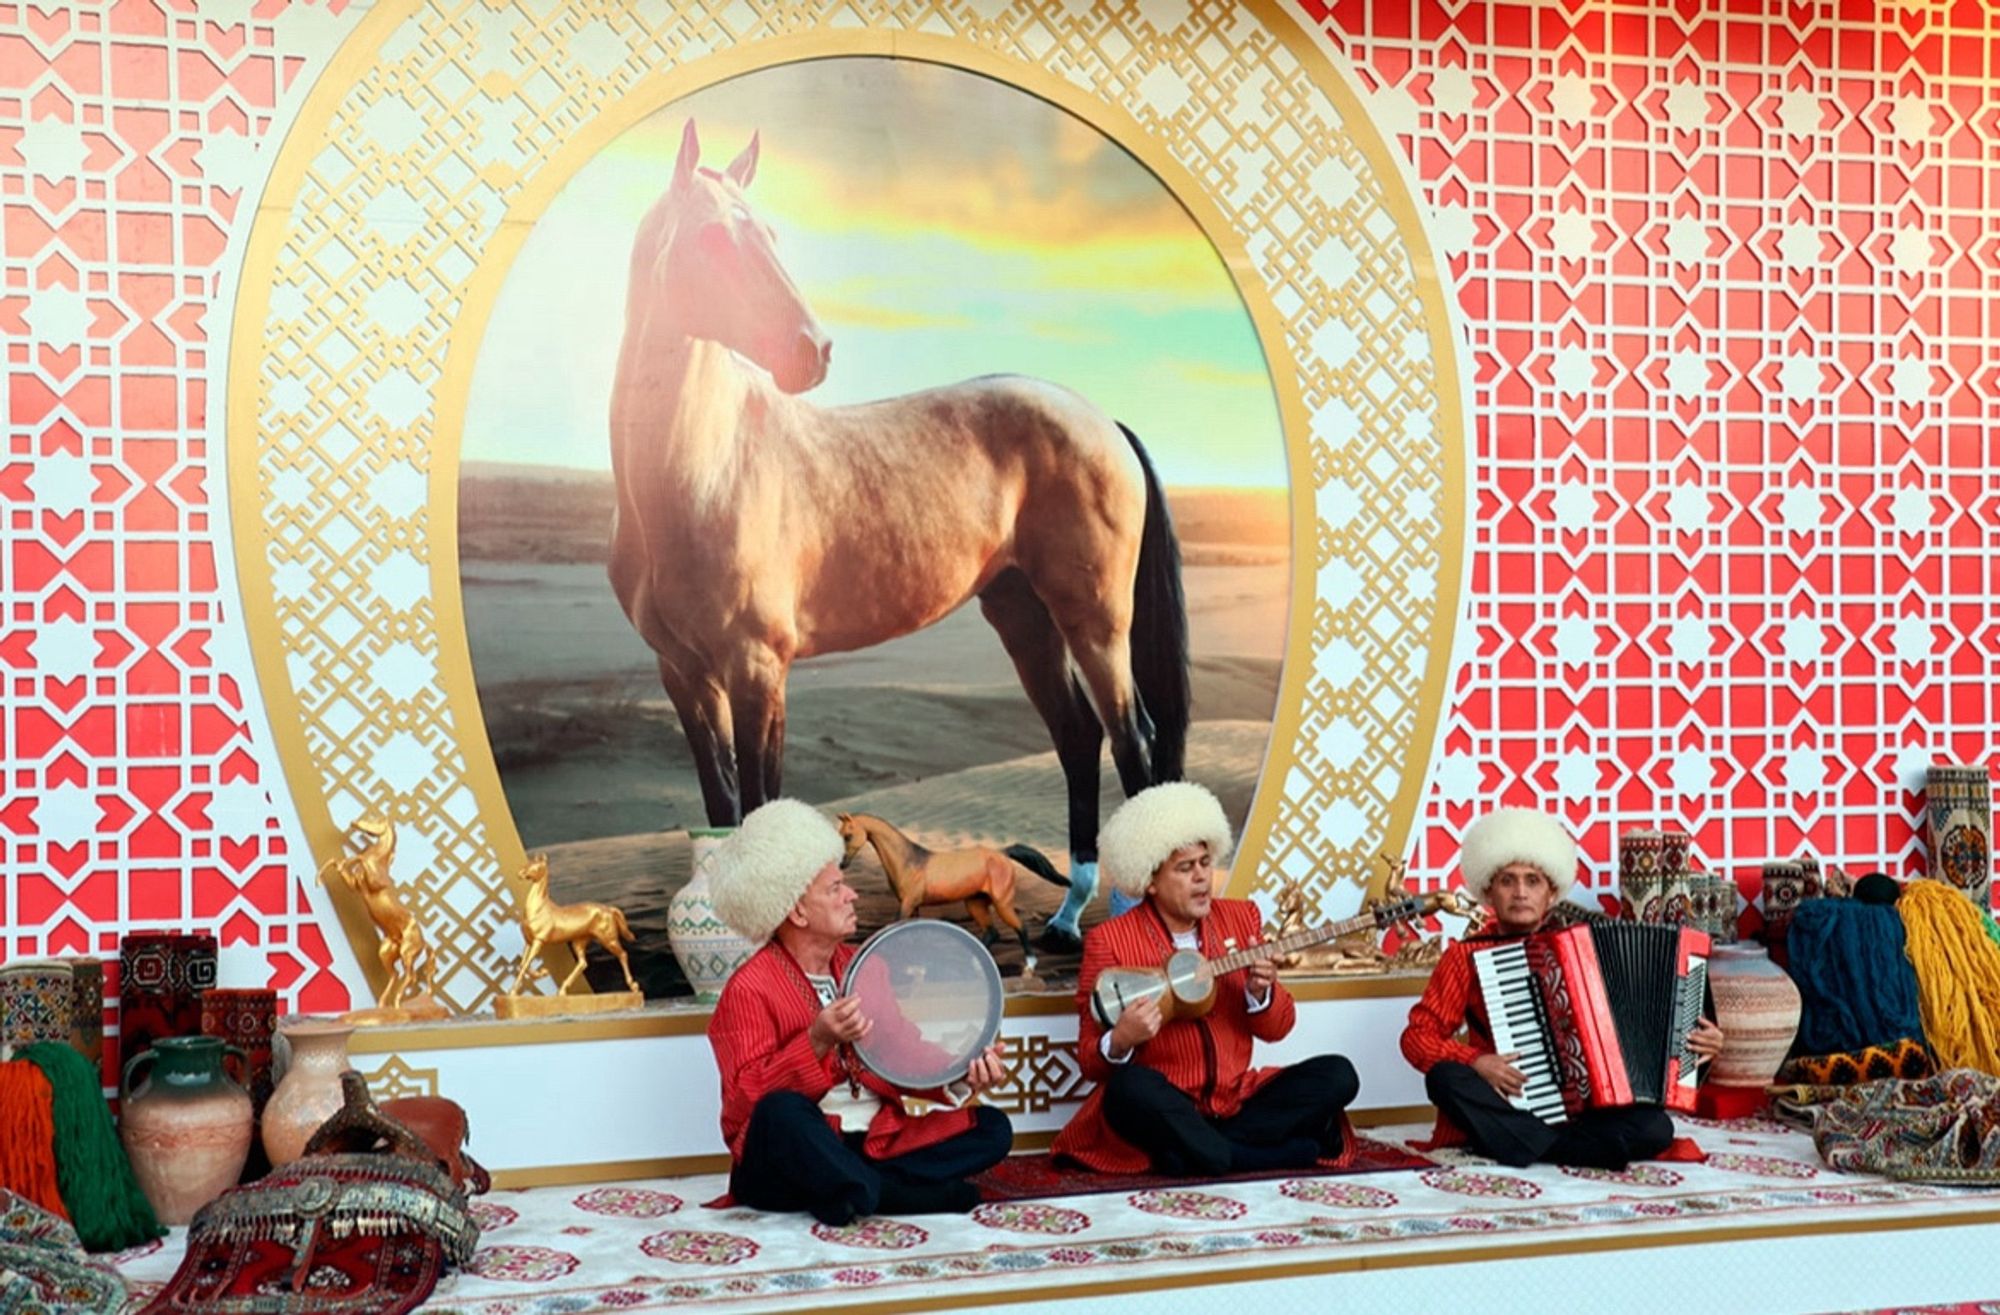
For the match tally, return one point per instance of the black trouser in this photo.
(1594, 1139)
(1290, 1122)
(794, 1160)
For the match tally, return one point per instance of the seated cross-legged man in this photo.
(1179, 1095)
(1518, 862)
(808, 1128)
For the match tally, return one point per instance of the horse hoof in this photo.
(1058, 941)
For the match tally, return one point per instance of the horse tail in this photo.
(1159, 628)
(618, 921)
(1036, 862)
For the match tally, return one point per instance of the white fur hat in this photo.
(1507, 836)
(762, 869)
(1151, 825)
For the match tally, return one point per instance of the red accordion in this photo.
(1599, 1014)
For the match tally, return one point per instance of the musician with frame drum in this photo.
(1180, 1096)
(1518, 862)
(808, 1128)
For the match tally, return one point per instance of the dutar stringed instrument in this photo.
(1185, 984)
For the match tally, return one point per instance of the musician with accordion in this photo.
(1559, 1046)
(809, 1125)
(1173, 993)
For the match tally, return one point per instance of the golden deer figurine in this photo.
(405, 952)
(576, 925)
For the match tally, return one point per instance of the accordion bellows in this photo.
(1600, 1014)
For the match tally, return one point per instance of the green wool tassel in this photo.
(98, 1189)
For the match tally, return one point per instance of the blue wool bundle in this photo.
(1856, 985)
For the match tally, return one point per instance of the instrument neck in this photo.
(1289, 944)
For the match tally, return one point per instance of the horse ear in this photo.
(690, 156)
(744, 167)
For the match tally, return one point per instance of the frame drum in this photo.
(933, 998)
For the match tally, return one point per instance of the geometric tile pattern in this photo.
(134, 798)
(378, 241)
(1727, 276)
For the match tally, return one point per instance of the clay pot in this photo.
(707, 949)
(309, 1092)
(1757, 1007)
(187, 1127)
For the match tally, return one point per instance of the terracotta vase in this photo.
(1757, 1007)
(707, 949)
(187, 1127)
(309, 1092)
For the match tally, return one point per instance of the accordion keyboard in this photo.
(1514, 1011)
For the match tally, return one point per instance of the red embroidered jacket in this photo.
(1451, 1004)
(759, 1035)
(1209, 1058)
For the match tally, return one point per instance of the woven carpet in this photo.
(1031, 1177)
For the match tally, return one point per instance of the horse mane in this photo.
(918, 852)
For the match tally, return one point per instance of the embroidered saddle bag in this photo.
(364, 1223)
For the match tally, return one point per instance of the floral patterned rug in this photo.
(645, 1246)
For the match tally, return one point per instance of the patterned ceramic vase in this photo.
(86, 1024)
(1958, 813)
(1676, 890)
(161, 976)
(186, 1128)
(1787, 884)
(309, 1092)
(707, 949)
(247, 1021)
(37, 1002)
(1640, 882)
(1757, 1007)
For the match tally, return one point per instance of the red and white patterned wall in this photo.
(1728, 273)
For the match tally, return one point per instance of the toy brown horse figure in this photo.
(984, 878)
(575, 925)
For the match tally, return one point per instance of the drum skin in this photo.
(933, 998)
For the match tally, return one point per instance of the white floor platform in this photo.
(1762, 1226)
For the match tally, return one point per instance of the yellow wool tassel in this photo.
(1958, 975)
(28, 1136)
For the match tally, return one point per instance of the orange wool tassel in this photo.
(28, 1135)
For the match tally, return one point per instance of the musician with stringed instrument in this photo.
(809, 1126)
(1519, 862)
(1173, 995)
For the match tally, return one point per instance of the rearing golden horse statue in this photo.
(404, 950)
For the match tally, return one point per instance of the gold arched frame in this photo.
(275, 223)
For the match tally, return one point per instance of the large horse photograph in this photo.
(869, 432)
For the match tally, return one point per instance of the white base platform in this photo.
(593, 1099)
(1762, 1226)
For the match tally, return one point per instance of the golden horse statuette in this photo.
(576, 925)
(405, 953)
(1360, 953)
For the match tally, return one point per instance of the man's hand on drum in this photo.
(989, 1069)
(840, 1022)
(1139, 1024)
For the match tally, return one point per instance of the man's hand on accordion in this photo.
(1706, 1039)
(1500, 1073)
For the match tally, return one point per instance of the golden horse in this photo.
(574, 925)
(1361, 952)
(404, 950)
(984, 878)
(755, 529)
